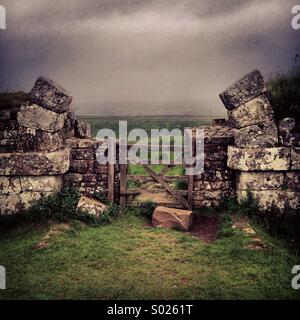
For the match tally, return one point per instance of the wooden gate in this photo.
(155, 186)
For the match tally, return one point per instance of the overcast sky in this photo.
(135, 52)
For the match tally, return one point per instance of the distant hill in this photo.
(154, 108)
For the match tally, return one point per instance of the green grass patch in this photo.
(127, 259)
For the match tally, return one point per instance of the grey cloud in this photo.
(144, 50)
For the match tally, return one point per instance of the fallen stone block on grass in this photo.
(172, 218)
(50, 95)
(91, 206)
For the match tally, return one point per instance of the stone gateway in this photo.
(43, 147)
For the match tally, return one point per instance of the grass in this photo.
(129, 260)
(147, 122)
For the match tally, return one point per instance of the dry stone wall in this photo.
(43, 148)
(265, 154)
(217, 181)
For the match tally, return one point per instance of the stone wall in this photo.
(43, 147)
(217, 181)
(265, 154)
(85, 172)
(33, 156)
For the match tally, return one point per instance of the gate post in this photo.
(111, 182)
(123, 183)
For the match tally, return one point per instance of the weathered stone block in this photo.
(252, 112)
(35, 163)
(36, 117)
(292, 180)
(260, 181)
(263, 135)
(245, 89)
(10, 185)
(82, 166)
(70, 178)
(172, 218)
(267, 199)
(83, 129)
(295, 161)
(221, 135)
(14, 203)
(32, 140)
(259, 159)
(83, 154)
(41, 183)
(50, 95)
(91, 206)
(212, 185)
